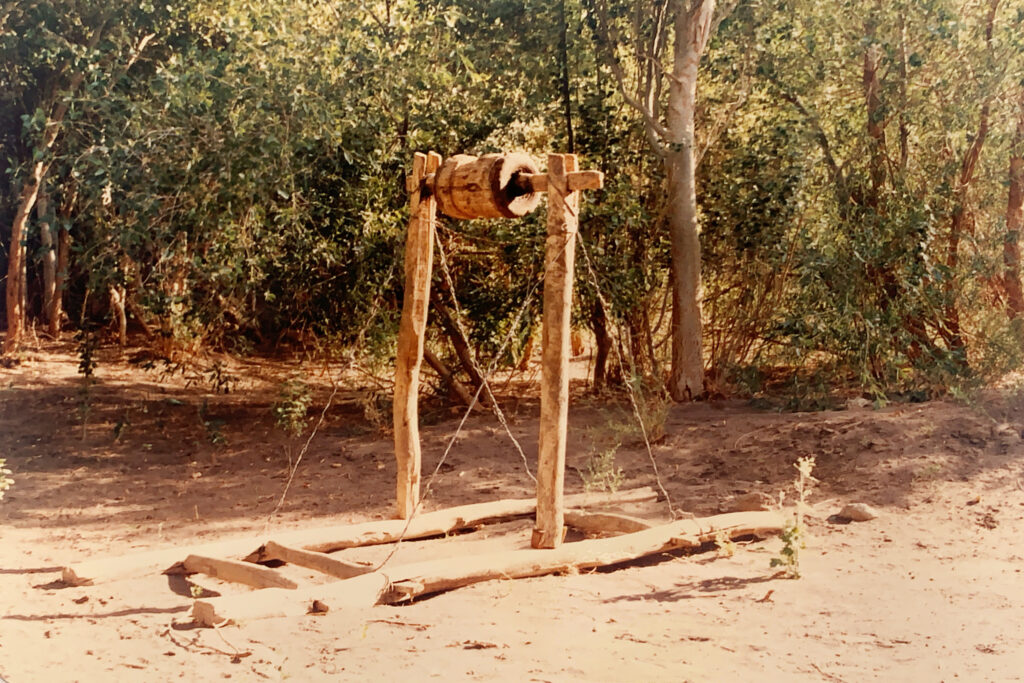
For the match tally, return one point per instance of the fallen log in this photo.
(335, 537)
(439, 523)
(423, 578)
(402, 583)
(232, 570)
(310, 559)
(361, 591)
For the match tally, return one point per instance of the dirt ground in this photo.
(931, 590)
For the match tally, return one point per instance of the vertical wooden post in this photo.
(563, 222)
(419, 254)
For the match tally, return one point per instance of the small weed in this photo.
(293, 399)
(601, 473)
(794, 532)
(725, 544)
(88, 343)
(290, 412)
(6, 482)
(121, 426)
(376, 410)
(213, 426)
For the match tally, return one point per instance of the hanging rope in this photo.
(484, 383)
(335, 386)
(465, 416)
(629, 385)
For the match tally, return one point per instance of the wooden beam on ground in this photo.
(337, 537)
(440, 522)
(604, 522)
(311, 559)
(105, 569)
(402, 583)
(423, 578)
(232, 570)
(361, 591)
(419, 256)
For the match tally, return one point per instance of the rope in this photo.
(465, 416)
(629, 385)
(335, 386)
(484, 384)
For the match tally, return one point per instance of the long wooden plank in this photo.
(441, 522)
(91, 572)
(232, 570)
(310, 559)
(335, 537)
(362, 591)
(402, 583)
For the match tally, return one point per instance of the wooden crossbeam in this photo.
(232, 570)
(310, 559)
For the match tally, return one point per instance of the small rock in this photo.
(750, 502)
(858, 512)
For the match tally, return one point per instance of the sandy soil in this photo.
(930, 590)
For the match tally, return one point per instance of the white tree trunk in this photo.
(692, 29)
(16, 260)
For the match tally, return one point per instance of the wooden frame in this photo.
(491, 186)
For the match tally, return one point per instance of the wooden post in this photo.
(419, 253)
(563, 221)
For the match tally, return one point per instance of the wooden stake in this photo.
(419, 254)
(563, 221)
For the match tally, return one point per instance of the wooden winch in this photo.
(489, 186)
(492, 186)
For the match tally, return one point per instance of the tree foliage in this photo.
(230, 173)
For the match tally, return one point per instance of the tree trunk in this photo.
(602, 345)
(56, 313)
(50, 253)
(460, 344)
(875, 116)
(118, 294)
(1015, 219)
(564, 85)
(692, 30)
(29, 194)
(960, 222)
(16, 259)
